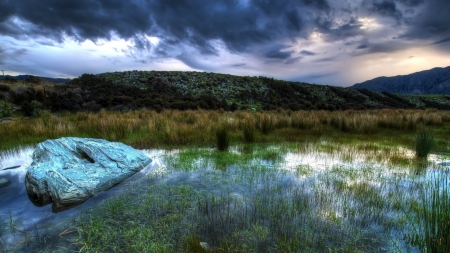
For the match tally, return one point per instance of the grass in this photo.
(148, 129)
(424, 143)
(308, 182)
(237, 202)
(223, 139)
(432, 227)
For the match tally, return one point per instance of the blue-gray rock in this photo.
(68, 171)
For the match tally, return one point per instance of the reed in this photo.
(424, 143)
(248, 132)
(432, 231)
(222, 139)
(148, 129)
(436, 215)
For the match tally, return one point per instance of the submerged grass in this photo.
(248, 200)
(432, 231)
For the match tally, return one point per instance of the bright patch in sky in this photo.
(368, 23)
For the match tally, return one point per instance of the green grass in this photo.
(424, 143)
(432, 227)
(348, 195)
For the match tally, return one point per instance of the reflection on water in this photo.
(27, 218)
(326, 171)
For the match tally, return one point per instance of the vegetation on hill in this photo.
(158, 90)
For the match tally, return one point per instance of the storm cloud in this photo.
(284, 32)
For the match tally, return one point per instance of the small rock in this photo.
(204, 245)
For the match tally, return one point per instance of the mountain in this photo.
(26, 77)
(433, 81)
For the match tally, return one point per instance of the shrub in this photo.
(4, 88)
(222, 138)
(424, 143)
(27, 109)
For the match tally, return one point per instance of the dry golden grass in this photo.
(146, 129)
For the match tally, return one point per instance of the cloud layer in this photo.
(249, 34)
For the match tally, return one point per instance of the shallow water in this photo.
(29, 220)
(20, 220)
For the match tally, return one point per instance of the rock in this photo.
(444, 164)
(204, 245)
(6, 120)
(4, 182)
(68, 171)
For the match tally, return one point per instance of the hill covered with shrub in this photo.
(158, 90)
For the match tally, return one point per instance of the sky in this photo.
(329, 42)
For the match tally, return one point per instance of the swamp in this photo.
(244, 181)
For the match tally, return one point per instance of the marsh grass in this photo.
(149, 129)
(424, 143)
(248, 131)
(222, 139)
(432, 228)
(237, 201)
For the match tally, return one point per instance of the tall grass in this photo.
(424, 143)
(148, 129)
(433, 233)
(222, 138)
(248, 132)
(436, 216)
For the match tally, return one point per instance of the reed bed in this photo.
(149, 129)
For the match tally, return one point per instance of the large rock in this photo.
(68, 171)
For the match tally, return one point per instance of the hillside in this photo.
(30, 78)
(433, 81)
(158, 90)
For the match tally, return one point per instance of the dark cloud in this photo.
(362, 46)
(411, 3)
(306, 52)
(191, 61)
(232, 25)
(11, 54)
(431, 22)
(326, 59)
(81, 19)
(274, 52)
(334, 30)
(196, 23)
(441, 41)
(293, 60)
(380, 47)
(387, 8)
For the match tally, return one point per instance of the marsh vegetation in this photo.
(285, 181)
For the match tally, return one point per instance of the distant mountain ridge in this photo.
(25, 77)
(433, 81)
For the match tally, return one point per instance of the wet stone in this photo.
(68, 171)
